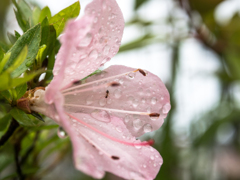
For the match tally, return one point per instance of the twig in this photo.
(12, 127)
(17, 163)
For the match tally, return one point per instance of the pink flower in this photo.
(105, 113)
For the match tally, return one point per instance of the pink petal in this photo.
(97, 154)
(135, 93)
(89, 42)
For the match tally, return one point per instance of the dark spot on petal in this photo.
(154, 115)
(115, 157)
(77, 82)
(142, 72)
(114, 84)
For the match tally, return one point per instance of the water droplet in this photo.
(95, 20)
(109, 8)
(119, 129)
(162, 98)
(61, 133)
(127, 118)
(131, 75)
(135, 102)
(137, 124)
(154, 100)
(86, 40)
(117, 93)
(147, 128)
(93, 55)
(154, 164)
(144, 166)
(106, 50)
(140, 82)
(101, 115)
(166, 108)
(156, 156)
(89, 100)
(143, 100)
(152, 157)
(102, 102)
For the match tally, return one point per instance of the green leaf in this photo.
(23, 118)
(32, 39)
(4, 46)
(40, 56)
(1, 54)
(19, 60)
(45, 13)
(25, 11)
(20, 90)
(11, 37)
(36, 14)
(4, 61)
(8, 83)
(4, 121)
(59, 20)
(21, 22)
(7, 95)
(17, 35)
(38, 116)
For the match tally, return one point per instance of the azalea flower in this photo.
(104, 113)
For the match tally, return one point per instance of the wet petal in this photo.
(132, 94)
(107, 155)
(89, 42)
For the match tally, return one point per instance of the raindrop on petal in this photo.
(154, 100)
(147, 128)
(102, 102)
(117, 93)
(93, 55)
(101, 115)
(86, 40)
(137, 124)
(166, 108)
(61, 133)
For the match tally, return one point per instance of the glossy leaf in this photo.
(23, 118)
(36, 15)
(45, 12)
(59, 20)
(32, 39)
(20, 90)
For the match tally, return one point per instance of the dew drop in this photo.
(147, 128)
(106, 50)
(166, 108)
(154, 100)
(102, 102)
(144, 166)
(152, 157)
(135, 103)
(109, 101)
(154, 164)
(117, 93)
(119, 129)
(137, 124)
(143, 100)
(61, 133)
(86, 40)
(131, 75)
(101, 115)
(95, 20)
(127, 118)
(93, 55)
(89, 100)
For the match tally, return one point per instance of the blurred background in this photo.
(194, 47)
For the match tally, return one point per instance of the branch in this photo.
(17, 163)
(12, 127)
